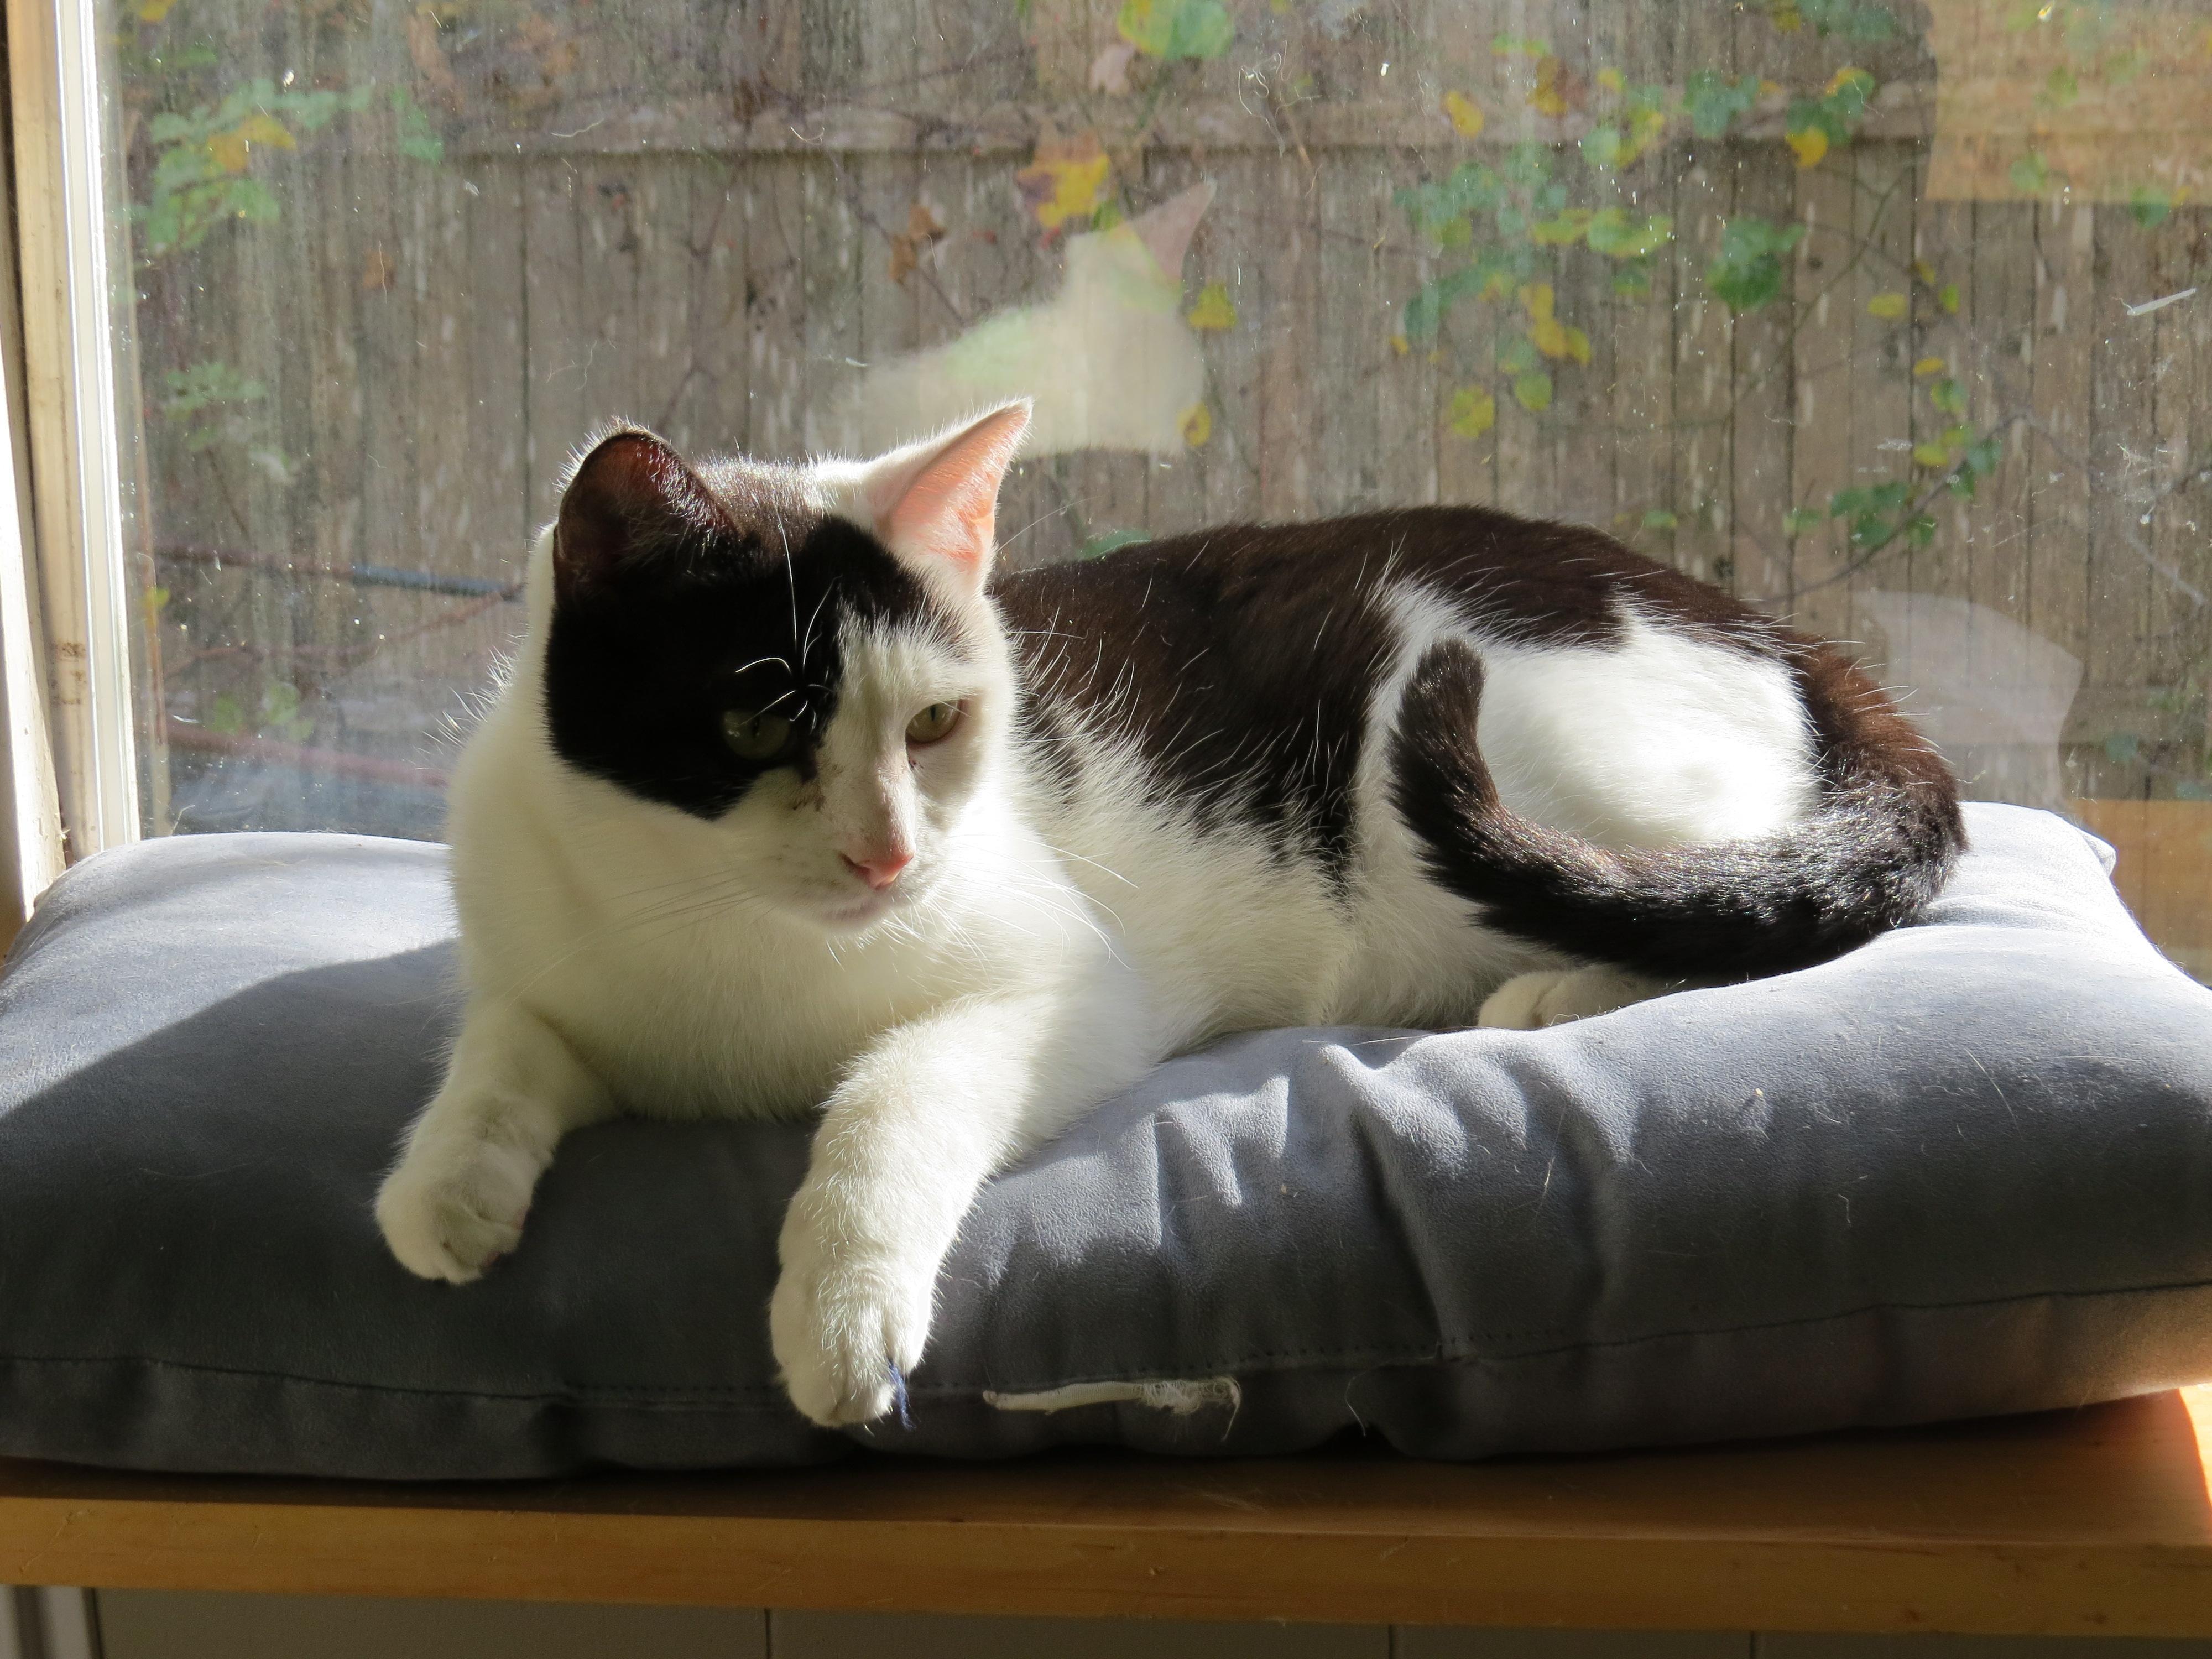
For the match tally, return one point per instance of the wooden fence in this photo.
(526, 221)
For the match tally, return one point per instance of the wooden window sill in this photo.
(2095, 1521)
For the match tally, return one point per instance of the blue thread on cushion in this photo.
(898, 1395)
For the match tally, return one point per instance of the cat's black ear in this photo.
(631, 497)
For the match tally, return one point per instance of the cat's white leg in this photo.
(456, 1201)
(926, 1116)
(1552, 996)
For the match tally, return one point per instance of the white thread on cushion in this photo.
(1180, 1395)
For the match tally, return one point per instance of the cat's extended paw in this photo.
(449, 1213)
(845, 1324)
(1552, 996)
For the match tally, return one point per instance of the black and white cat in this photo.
(787, 801)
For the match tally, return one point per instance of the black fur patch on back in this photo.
(736, 609)
(1240, 662)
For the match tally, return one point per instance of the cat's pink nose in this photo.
(880, 871)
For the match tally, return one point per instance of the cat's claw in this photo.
(847, 1328)
(451, 1218)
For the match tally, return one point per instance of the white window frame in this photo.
(66, 593)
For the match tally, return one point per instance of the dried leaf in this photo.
(1557, 91)
(378, 272)
(428, 56)
(923, 232)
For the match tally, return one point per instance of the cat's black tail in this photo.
(1867, 859)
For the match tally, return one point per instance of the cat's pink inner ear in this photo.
(945, 505)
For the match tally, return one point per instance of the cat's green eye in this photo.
(755, 736)
(933, 722)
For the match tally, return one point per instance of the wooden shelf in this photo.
(2093, 1522)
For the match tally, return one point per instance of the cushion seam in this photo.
(1451, 1350)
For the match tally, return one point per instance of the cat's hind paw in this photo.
(1552, 996)
(450, 1217)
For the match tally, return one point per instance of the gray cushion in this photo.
(1967, 1169)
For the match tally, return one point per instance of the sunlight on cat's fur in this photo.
(789, 801)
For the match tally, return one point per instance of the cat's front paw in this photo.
(847, 1323)
(449, 1212)
(1549, 996)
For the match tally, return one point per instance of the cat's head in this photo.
(801, 661)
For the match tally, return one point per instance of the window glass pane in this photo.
(1886, 315)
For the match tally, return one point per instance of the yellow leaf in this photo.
(1578, 345)
(1924, 272)
(1400, 344)
(1215, 311)
(1836, 81)
(1474, 411)
(1536, 298)
(265, 130)
(1887, 306)
(1611, 79)
(1929, 366)
(1786, 17)
(1196, 425)
(1811, 145)
(1768, 88)
(1466, 114)
(1931, 454)
(1065, 179)
(228, 150)
(152, 11)
(1548, 336)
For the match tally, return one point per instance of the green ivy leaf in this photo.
(1533, 390)
(1713, 101)
(418, 139)
(1747, 272)
(1614, 235)
(1802, 520)
(1177, 28)
(2150, 206)
(2031, 175)
(1109, 541)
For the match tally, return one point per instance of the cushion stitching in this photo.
(1452, 1349)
